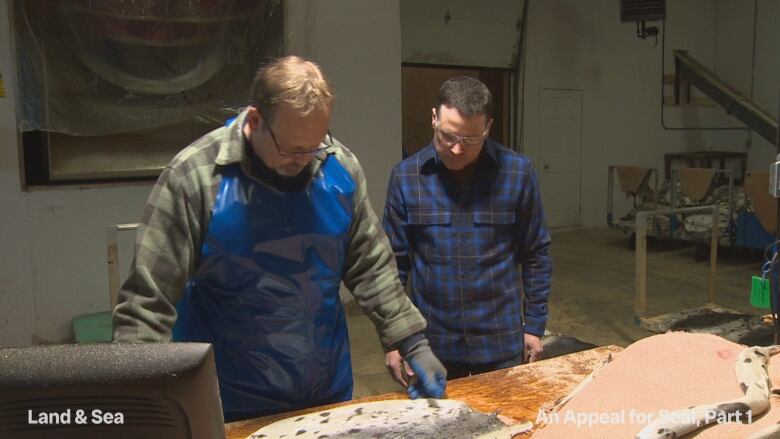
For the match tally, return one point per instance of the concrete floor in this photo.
(592, 295)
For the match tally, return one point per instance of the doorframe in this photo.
(541, 149)
(511, 101)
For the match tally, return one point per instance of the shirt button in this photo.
(463, 243)
(463, 276)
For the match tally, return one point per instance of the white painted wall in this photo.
(582, 45)
(358, 45)
(53, 253)
(766, 77)
(442, 32)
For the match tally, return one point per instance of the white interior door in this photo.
(561, 145)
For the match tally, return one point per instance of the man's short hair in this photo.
(294, 81)
(468, 95)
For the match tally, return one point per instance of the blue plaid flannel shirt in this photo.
(464, 247)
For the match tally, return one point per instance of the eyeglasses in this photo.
(450, 139)
(326, 143)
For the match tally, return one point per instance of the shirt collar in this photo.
(231, 149)
(234, 149)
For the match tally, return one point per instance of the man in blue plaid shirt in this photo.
(462, 214)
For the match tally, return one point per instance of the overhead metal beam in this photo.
(735, 104)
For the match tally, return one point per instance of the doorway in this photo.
(420, 88)
(561, 156)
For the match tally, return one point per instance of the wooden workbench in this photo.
(517, 393)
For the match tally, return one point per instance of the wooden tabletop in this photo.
(517, 393)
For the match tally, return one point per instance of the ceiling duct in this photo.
(642, 10)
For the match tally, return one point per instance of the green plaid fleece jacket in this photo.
(176, 218)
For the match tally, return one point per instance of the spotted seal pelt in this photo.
(753, 378)
(420, 418)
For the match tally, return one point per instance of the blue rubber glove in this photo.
(431, 375)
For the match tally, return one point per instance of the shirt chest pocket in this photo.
(431, 230)
(495, 232)
(429, 218)
(494, 217)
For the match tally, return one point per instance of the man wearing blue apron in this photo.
(245, 240)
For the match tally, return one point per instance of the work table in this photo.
(517, 393)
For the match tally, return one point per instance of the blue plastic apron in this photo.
(266, 293)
